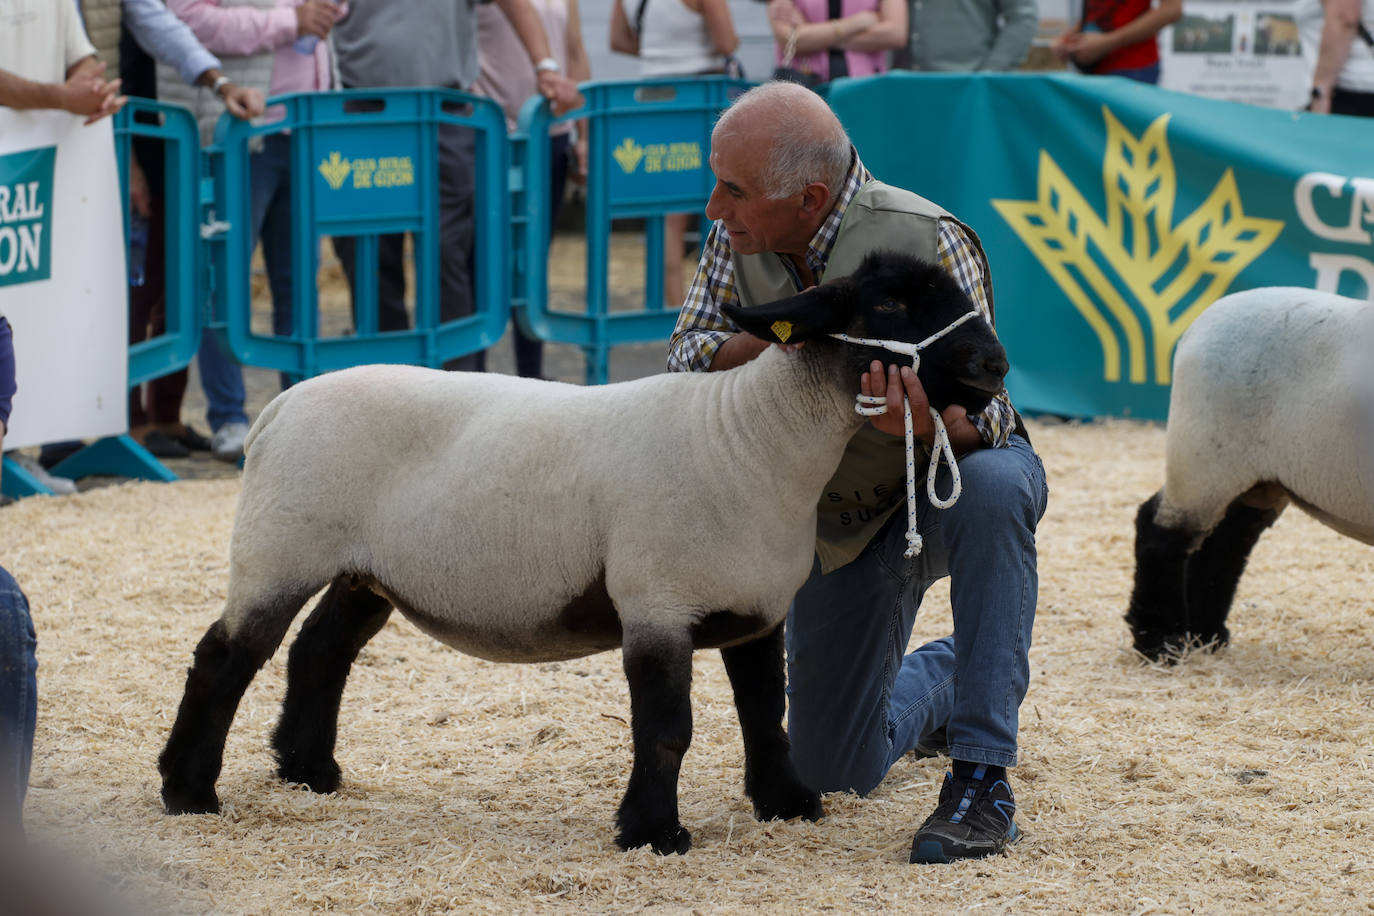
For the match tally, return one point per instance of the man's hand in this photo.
(560, 91)
(1086, 48)
(785, 13)
(892, 382)
(315, 17)
(87, 92)
(242, 102)
(1063, 46)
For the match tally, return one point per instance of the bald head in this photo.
(795, 130)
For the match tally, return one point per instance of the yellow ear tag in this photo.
(783, 330)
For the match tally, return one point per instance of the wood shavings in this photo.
(1233, 782)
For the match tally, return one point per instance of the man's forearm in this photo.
(525, 20)
(167, 38)
(1339, 28)
(737, 351)
(19, 93)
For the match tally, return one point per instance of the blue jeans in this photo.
(220, 375)
(18, 701)
(855, 704)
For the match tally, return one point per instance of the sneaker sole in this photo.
(932, 852)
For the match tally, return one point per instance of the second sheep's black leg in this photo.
(1158, 613)
(658, 666)
(1214, 570)
(317, 668)
(758, 677)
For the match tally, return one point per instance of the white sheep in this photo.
(520, 520)
(1272, 401)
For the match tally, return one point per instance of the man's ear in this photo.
(814, 313)
(816, 200)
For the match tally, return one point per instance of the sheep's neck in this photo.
(797, 409)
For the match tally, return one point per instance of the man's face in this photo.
(756, 224)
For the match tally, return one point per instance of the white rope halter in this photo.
(870, 405)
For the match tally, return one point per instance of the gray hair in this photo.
(808, 143)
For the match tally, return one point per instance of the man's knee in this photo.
(1006, 484)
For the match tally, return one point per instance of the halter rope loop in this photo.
(870, 405)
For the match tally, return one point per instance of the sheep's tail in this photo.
(271, 410)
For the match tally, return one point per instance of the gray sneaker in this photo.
(59, 485)
(227, 442)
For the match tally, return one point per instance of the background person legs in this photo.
(271, 205)
(456, 277)
(221, 378)
(529, 351)
(155, 406)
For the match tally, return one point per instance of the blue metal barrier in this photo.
(176, 129)
(648, 148)
(364, 163)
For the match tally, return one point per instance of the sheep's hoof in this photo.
(320, 777)
(189, 801)
(666, 841)
(1168, 648)
(783, 803)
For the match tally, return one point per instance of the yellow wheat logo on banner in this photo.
(1137, 254)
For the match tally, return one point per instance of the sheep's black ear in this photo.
(816, 312)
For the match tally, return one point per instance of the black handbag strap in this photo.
(1364, 33)
(639, 17)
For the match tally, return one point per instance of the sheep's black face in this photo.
(898, 297)
(894, 296)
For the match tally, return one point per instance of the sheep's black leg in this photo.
(770, 779)
(1158, 614)
(224, 666)
(316, 669)
(1214, 571)
(658, 665)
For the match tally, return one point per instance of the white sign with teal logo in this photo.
(62, 280)
(26, 215)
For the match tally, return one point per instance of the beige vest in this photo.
(252, 71)
(102, 27)
(870, 482)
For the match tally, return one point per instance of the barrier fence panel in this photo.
(364, 163)
(649, 144)
(173, 128)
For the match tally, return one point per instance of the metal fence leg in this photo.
(17, 483)
(121, 456)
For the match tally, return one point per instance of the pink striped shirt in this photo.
(861, 63)
(236, 31)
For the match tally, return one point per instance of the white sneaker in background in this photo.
(59, 485)
(227, 442)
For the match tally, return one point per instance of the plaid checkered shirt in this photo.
(701, 327)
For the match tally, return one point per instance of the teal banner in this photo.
(1113, 213)
(26, 215)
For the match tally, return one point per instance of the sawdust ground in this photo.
(1234, 782)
